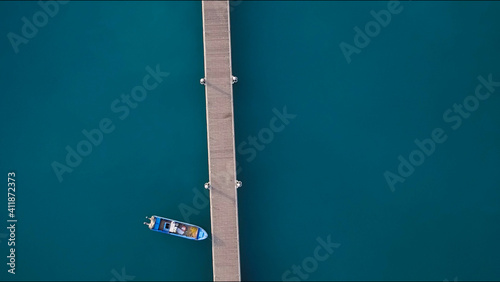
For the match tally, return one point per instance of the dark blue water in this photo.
(318, 175)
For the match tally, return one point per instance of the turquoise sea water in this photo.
(321, 176)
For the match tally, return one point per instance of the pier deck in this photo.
(221, 149)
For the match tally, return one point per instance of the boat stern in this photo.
(152, 221)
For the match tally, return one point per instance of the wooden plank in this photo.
(221, 149)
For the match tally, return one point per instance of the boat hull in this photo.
(176, 228)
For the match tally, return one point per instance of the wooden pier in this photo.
(218, 82)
